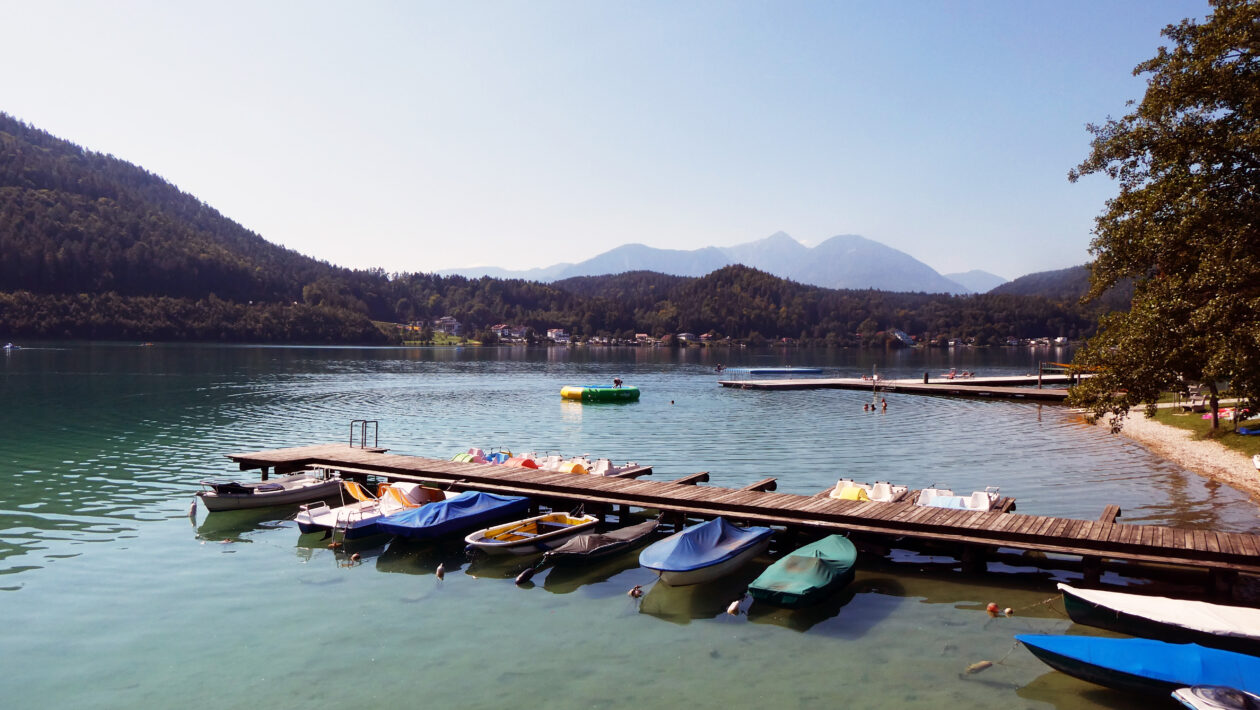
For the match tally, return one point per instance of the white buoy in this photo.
(441, 571)
(635, 592)
(192, 509)
(733, 609)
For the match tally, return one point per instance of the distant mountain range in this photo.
(844, 261)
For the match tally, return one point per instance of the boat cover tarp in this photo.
(593, 542)
(951, 502)
(1177, 663)
(807, 571)
(701, 546)
(468, 509)
(1242, 622)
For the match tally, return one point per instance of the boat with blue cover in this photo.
(470, 509)
(600, 393)
(704, 552)
(1144, 665)
(808, 574)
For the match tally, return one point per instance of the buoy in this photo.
(334, 545)
(525, 575)
(635, 592)
(978, 666)
(1008, 611)
(354, 557)
(992, 608)
(192, 509)
(733, 609)
(440, 571)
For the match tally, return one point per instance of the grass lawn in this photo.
(1202, 429)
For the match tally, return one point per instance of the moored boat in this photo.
(592, 546)
(704, 552)
(467, 510)
(879, 491)
(1215, 697)
(598, 393)
(361, 517)
(302, 487)
(1232, 628)
(531, 535)
(808, 574)
(1143, 665)
(944, 498)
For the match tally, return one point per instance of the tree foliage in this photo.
(1184, 224)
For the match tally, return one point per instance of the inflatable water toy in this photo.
(596, 393)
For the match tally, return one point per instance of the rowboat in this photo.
(880, 491)
(593, 546)
(1215, 697)
(1143, 665)
(944, 498)
(360, 518)
(531, 535)
(597, 393)
(301, 487)
(704, 552)
(469, 509)
(1233, 628)
(808, 574)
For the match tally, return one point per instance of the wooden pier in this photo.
(1010, 387)
(974, 536)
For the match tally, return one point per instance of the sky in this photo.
(419, 136)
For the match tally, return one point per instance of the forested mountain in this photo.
(94, 247)
(1070, 284)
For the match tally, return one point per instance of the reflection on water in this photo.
(103, 447)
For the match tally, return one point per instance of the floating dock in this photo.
(1009, 387)
(974, 536)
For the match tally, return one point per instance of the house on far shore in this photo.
(687, 337)
(501, 330)
(448, 325)
(557, 335)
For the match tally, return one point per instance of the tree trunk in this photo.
(1213, 402)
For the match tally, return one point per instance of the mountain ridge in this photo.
(844, 261)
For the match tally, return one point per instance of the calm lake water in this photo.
(113, 598)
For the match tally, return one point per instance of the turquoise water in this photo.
(113, 598)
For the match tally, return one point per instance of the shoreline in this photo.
(1210, 459)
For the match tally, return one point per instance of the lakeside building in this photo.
(448, 325)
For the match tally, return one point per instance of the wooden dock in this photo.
(974, 535)
(1010, 387)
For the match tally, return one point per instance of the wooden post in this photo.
(974, 559)
(265, 472)
(1222, 583)
(1091, 567)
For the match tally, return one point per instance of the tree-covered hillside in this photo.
(95, 247)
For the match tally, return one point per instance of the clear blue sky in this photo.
(416, 136)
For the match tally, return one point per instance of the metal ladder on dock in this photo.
(362, 425)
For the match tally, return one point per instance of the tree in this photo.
(1185, 225)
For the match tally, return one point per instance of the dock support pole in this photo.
(623, 514)
(1222, 583)
(1091, 567)
(974, 559)
(265, 472)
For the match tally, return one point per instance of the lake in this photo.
(114, 598)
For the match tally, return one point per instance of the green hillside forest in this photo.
(95, 247)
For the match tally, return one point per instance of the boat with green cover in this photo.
(807, 575)
(598, 393)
